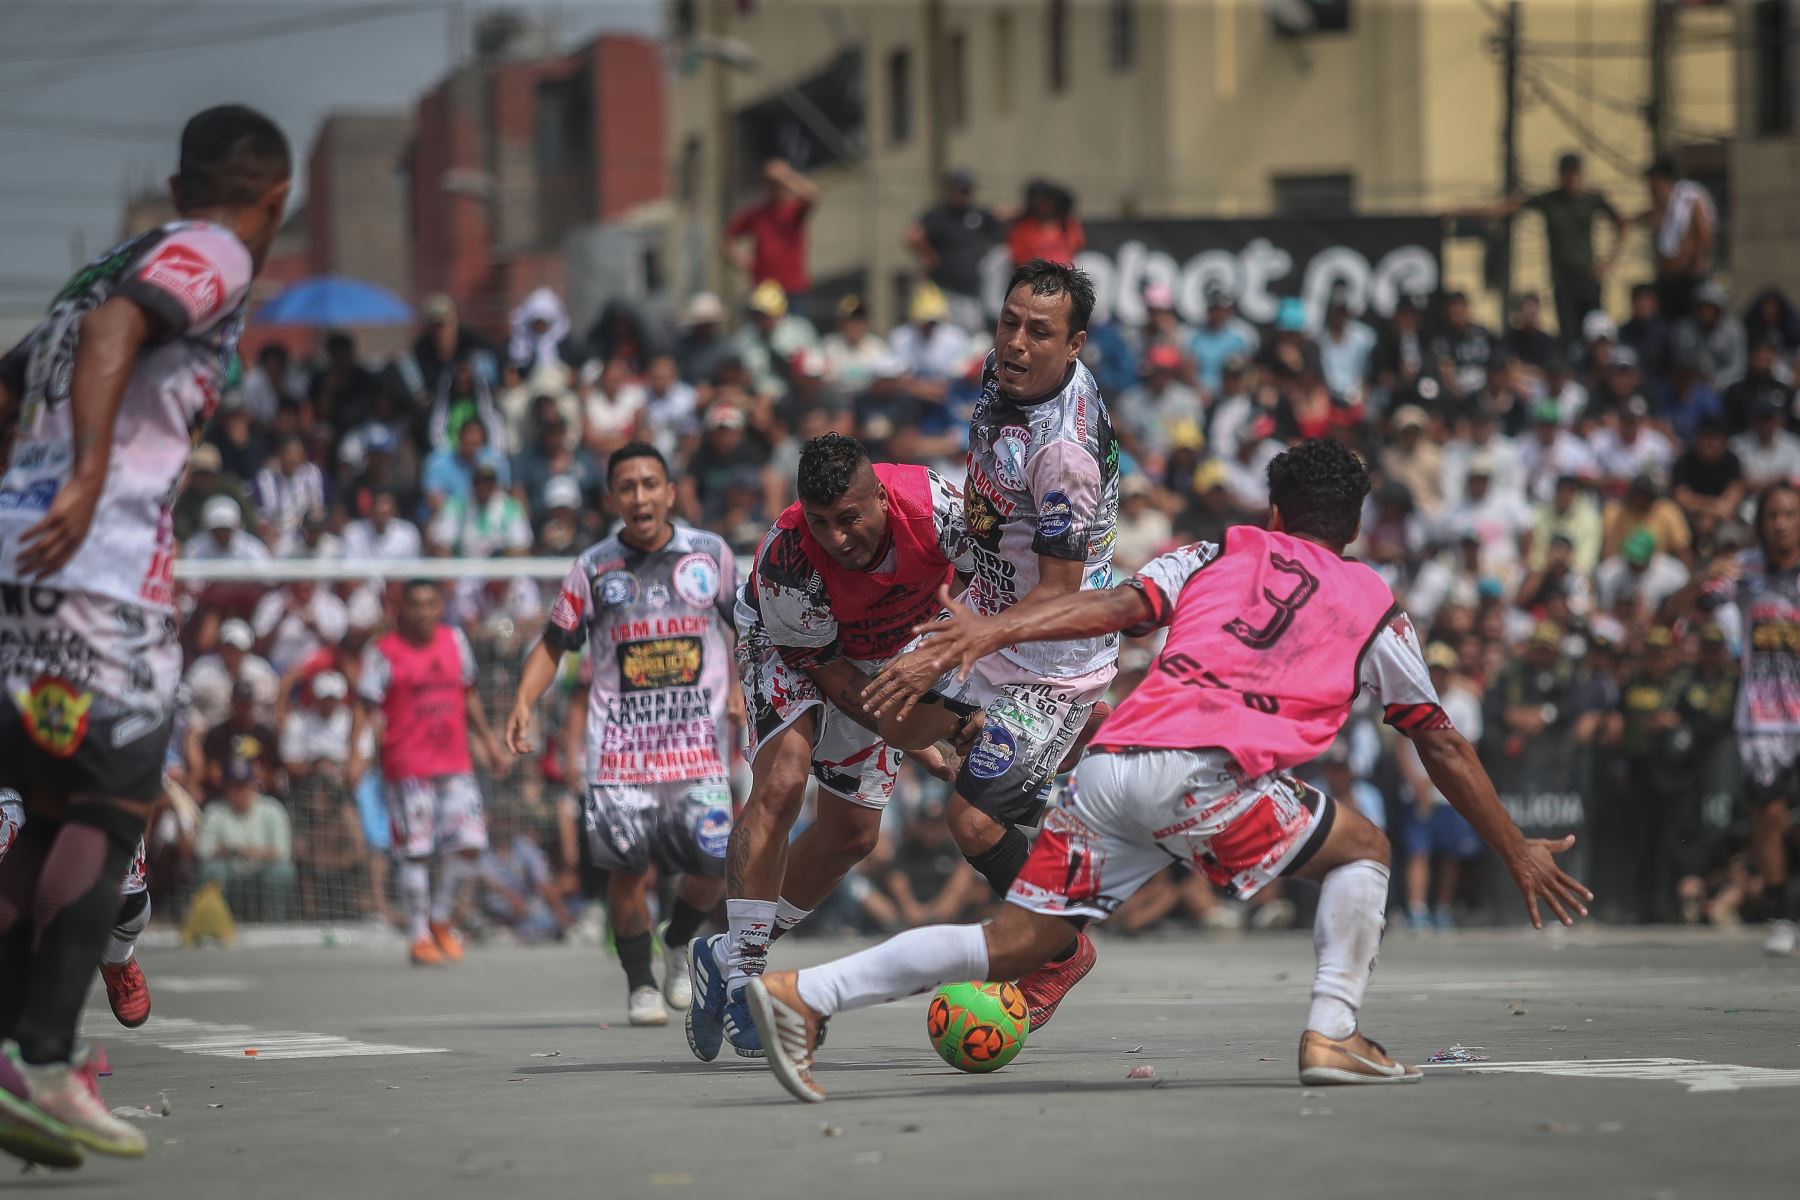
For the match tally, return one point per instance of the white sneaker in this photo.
(1275, 914)
(71, 1096)
(1781, 939)
(646, 1007)
(678, 977)
(1223, 916)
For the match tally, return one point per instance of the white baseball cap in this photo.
(236, 633)
(1598, 327)
(221, 512)
(329, 685)
(562, 492)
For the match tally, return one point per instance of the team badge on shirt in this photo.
(618, 589)
(1055, 516)
(1009, 456)
(696, 579)
(55, 715)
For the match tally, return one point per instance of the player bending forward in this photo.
(420, 678)
(1270, 640)
(653, 604)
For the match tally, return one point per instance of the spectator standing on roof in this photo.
(950, 240)
(775, 228)
(1684, 225)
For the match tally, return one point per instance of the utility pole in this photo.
(1509, 154)
(1656, 112)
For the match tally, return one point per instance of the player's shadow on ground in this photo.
(687, 1066)
(1041, 1089)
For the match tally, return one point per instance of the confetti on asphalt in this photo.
(1459, 1053)
(1141, 1071)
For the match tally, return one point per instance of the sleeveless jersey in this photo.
(192, 276)
(420, 690)
(1768, 604)
(659, 659)
(1269, 643)
(1043, 480)
(816, 610)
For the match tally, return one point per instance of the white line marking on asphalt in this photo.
(1696, 1076)
(218, 1040)
(182, 985)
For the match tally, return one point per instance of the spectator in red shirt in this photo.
(1048, 229)
(776, 228)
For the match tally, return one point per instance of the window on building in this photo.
(564, 145)
(1298, 18)
(1313, 195)
(683, 22)
(687, 171)
(1057, 29)
(1121, 39)
(770, 127)
(899, 97)
(956, 80)
(1003, 62)
(1773, 80)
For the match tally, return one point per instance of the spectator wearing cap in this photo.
(291, 622)
(1492, 517)
(1640, 574)
(1163, 325)
(487, 523)
(670, 419)
(1433, 829)
(315, 737)
(550, 455)
(771, 337)
(1223, 338)
(222, 537)
(1613, 383)
(384, 533)
(1689, 399)
(1571, 514)
(1633, 446)
(244, 735)
(1708, 482)
(854, 352)
(246, 847)
(950, 239)
(929, 347)
(559, 526)
(1401, 362)
(1345, 347)
(1646, 332)
(1569, 210)
(1481, 438)
(725, 458)
(1553, 587)
(1047, 227)
(775, 228)
(1760, 390)
(1684, 223)
(1144, 528)
(1599, 341)
(1462, 347)
(1416, 462)
(204, 481)
(1151, 417)
(444, 340)
(1551, 452)
(212, 676)
(1643, 506)
(1210, 509)
(700, 344)
(1768, 451)
(1713, 337)
(449, 473)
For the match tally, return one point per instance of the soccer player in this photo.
(1763, 585)
(1041, 503)
(107, 394)
(419, 679)
(653, 604)
(838, 584)
(1271, 637)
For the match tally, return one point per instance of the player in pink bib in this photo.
(1270, 640)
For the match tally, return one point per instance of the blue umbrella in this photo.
(329, 301)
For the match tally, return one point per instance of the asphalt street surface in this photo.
(1653, 1063)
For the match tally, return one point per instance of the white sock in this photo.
(904, 965)
(123, 940)
(453, 872)
(789, 915)
(746, 946)
(1346, 936)
(415, 893)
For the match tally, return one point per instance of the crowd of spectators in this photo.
(1539, 495)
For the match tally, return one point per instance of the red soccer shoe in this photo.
(127, 992)
(1045, 987)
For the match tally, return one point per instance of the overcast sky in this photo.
(93, 94)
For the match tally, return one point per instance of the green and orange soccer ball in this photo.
(977, 1027)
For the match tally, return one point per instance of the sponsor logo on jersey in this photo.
(660, 663)
(35, 497)
(656, 594)
(697, 579)
(982, 518)
(618, 589)
(563, 614)
(713, 832)
(993, 754)
(55, 715)
(1100, 577)
(1010, 449)
(1055, 516)
(188, 276)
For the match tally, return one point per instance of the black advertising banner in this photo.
(1376, 260)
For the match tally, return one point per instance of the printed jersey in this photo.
(1271, 639)
(421, 692)
(1043, 480)
(789, 595)
(1768, 604)
(192, 277)
(660, 660)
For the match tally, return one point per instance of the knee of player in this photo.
(857, 843)
(779, 794)
(973, 830)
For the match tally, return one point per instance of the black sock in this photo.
(634, 956)
(684, 920)
(76, 902)
(18, 883)
(1001, 864)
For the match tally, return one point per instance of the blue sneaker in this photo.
(740, 1027)
(706, 1008)
(1443, 919)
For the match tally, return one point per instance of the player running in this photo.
(653, 604)
(1270, 639)
(107, 394)
(1041, 503)
(838, 584)
(419, 679)
(1763, 585)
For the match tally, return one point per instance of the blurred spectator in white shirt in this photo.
(1634, 447)
(1549, 452)
(670, 416)
(1416, 461)
(1767, 452)
(294, 621)
(1345, 345)
(855, 353)
(287, 489)
(1640, 573)
(384, 534)
(222, 537)
(1498, 453)
(1144, 529)
(315, 738)
(211, 677)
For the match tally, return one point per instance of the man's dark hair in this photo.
(413, 585)
(631, 450)
(1568, 163)
(1319, 486)
(829, 464)
(230, 155)
(1762, 507)
(1662, 167)
(1046, 278)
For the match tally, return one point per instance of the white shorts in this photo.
(848, 760)
(436, 815)
(1126, 816)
